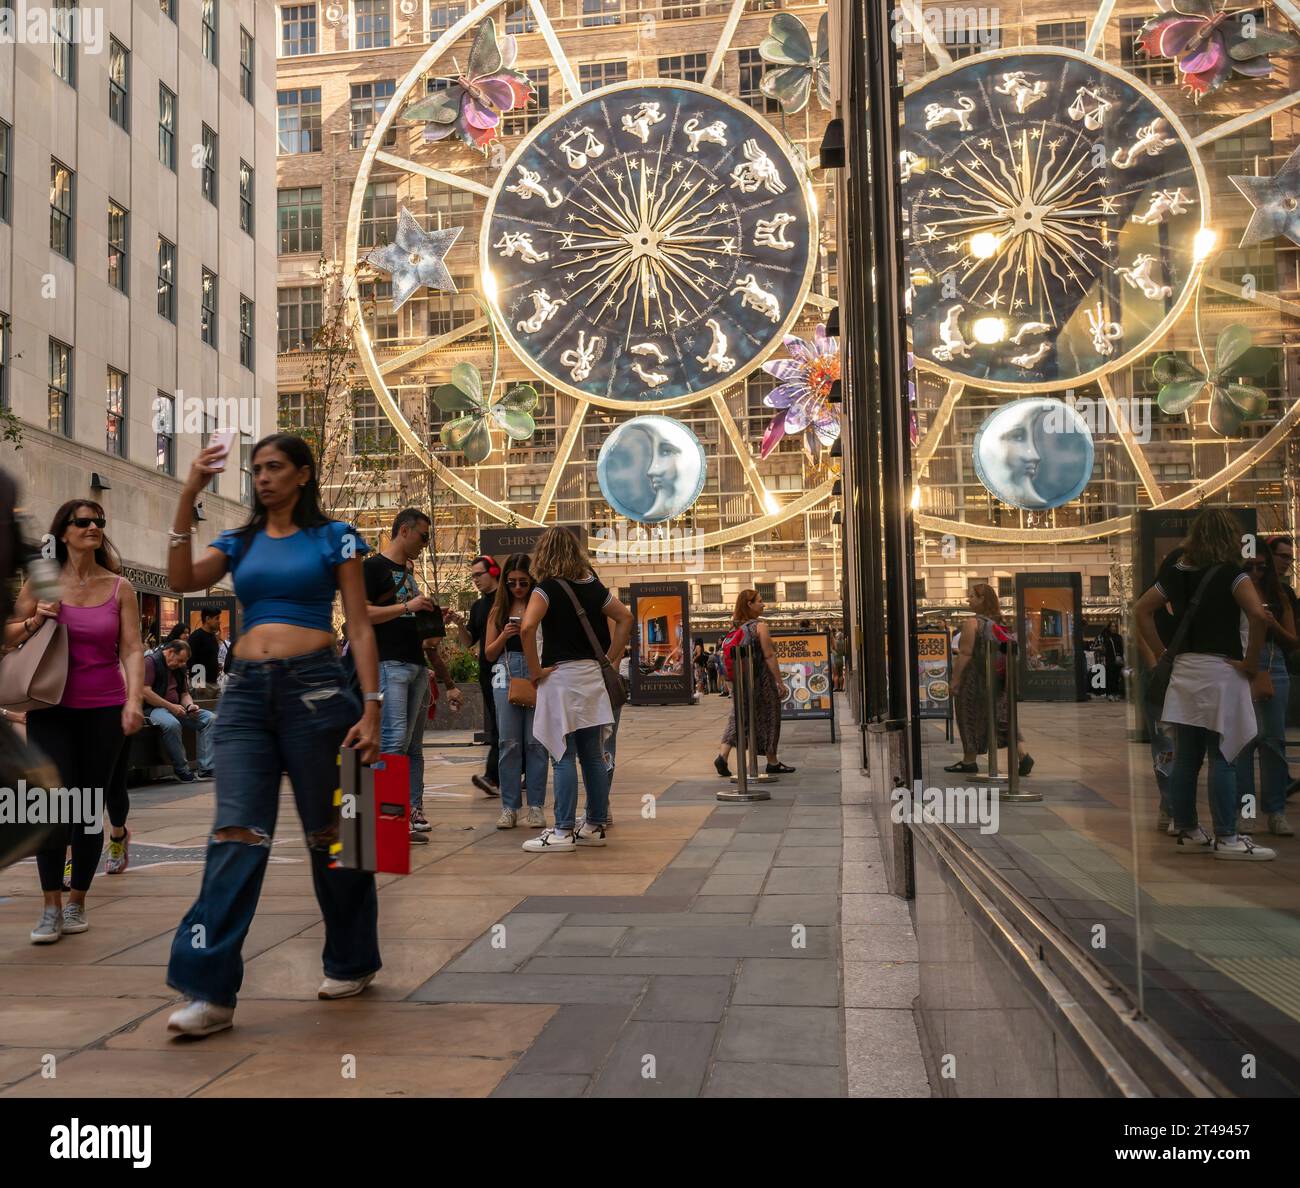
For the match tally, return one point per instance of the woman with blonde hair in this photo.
(1215, 680)
(982, 632)
(571, 605)
(769, 689)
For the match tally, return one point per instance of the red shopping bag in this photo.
(373, 804)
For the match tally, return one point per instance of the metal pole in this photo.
(1013, 792)
(743, 695)
(991, 699)
(756, 773)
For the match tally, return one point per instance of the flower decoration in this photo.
(1230, 403)
(788, 46)
(416, 258)
(471, 106)
(1208, 45)
(470, 433)
(802, 396)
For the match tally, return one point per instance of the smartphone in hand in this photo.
(224, 439)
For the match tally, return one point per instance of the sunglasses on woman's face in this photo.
(523, 583)
(88, 521)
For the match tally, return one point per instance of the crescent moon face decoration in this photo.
(651, 469)
(1034, 454)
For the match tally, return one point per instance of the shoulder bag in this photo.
(1158, 679)
(615, 685)
(33, 675)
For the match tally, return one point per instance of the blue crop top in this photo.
(290, 579)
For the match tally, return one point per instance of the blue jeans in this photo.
(406, 711)
(1190, 746)
(518, 751)
(171, 727)
(581, 746)
(277, 716)
(1162, 745)
(1269, 743)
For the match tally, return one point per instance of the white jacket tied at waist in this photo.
(1207, 691)
(572, 697)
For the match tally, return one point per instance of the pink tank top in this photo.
(94, 669)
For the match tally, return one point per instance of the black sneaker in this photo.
(486, 786)
(720, 766)
(964, 768)
(187, 777)
(779, 769)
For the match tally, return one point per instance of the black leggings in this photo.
(86, 746)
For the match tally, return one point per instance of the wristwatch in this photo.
(377, 698)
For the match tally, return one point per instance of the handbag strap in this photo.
(601, 658)
(1180, 634)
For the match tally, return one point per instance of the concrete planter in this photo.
(470, 716)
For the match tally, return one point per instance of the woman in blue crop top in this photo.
(286, 708)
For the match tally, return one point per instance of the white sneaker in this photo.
(74, 918)
(343, 987)
(507, 819)
(550, 842)
(536, 819)
(50, 927)
(1247, 825)
(588, 834)
(201, 1018)
(1196, 842)
(1279, 826)
(1243, 849)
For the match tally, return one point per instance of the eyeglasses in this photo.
(478, 573)
(87, 521)
(525, 582)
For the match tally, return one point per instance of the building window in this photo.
(115, 414)
(62, 17)
(442, 16)
(534, 111)
(766, 591)
(164, 422)
(711, 594)
(372, 431)
(298, 214)
(167, 127)
(602, 12)
(372, 28)
(210, 30)
(117, 249)
(918, 588)
(208, 309)
(60, 388)
(208, 175)
(751, 75)
(299, 120)
(245, 332)
(600, 74)
(61, 179)
(4, 360)
(1064, 34)
(681, 12)
(168, 9)
(1099, 587)
(450, 311)
(688, 67)
(245, 470)
(300, 318)
(368, 102)
(297, 30)
(519, 17)
(1006, 587)
(6, 148)
(167, 279)
(246, 197)
(377, 308)
(1153, 72)
(291, 412)
(119, 82)
(246, 46)
(378, 214)
(796, 591)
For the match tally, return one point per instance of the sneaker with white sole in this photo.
(50, 927)
(589, 834)
(1243, 849)
(549, 841)
(1279, 826)
(197, 1018)
(1195, 842)
(507, 819)
(74, 918)
(343, 987)
(419, 822)
(536, 819)
(1247, 824)
(119, 853)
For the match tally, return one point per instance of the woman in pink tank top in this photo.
(85, 734)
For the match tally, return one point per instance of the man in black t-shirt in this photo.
(485, 573)
(204, 646)
(392, 601)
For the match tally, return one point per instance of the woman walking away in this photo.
(286, 707)
(85, 734)
(983, 632)
(769, 689)
(1270, 712)
(520, 752)
(1209, 700)
(572, 701)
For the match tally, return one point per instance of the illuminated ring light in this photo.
(376, 372)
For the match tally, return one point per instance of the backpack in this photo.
(727, 649)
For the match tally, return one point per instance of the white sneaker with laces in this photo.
(536, 818)
(1243, 849)
(343, 987)
(201, 1018)
(506, 820)
(550, 841)
(1279, 826)
(1196, 842)
(588, 834)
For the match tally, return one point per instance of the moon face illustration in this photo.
(651, 469)
(1034, 454)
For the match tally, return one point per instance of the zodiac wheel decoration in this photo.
(650, 243)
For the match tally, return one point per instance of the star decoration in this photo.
(416, 258)
(947, 171)
(570, 277)
(729, 246)
(1017, 304)
(634, 163)
(953, 248)
(678, 318)
(1108, 205)
(1275, 201)
(566, 239)
(570, 217)
(714, 189)
(985, 142)
(658, 324)
(678, 166)
(935, 192)
(1035, 133)
(932, 232)
(1056, 142)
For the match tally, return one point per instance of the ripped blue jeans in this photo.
(276, 717)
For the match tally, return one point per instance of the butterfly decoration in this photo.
(788, 46)
(471, 105)
(802, 398)
(1230, 403)
(470, 434)
(1209, 45)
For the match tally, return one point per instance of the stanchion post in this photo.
(1013, 792)
(991, 698)
(746, 777)
(756, 773)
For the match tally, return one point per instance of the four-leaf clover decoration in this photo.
(1230, 403)
(470, 433)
